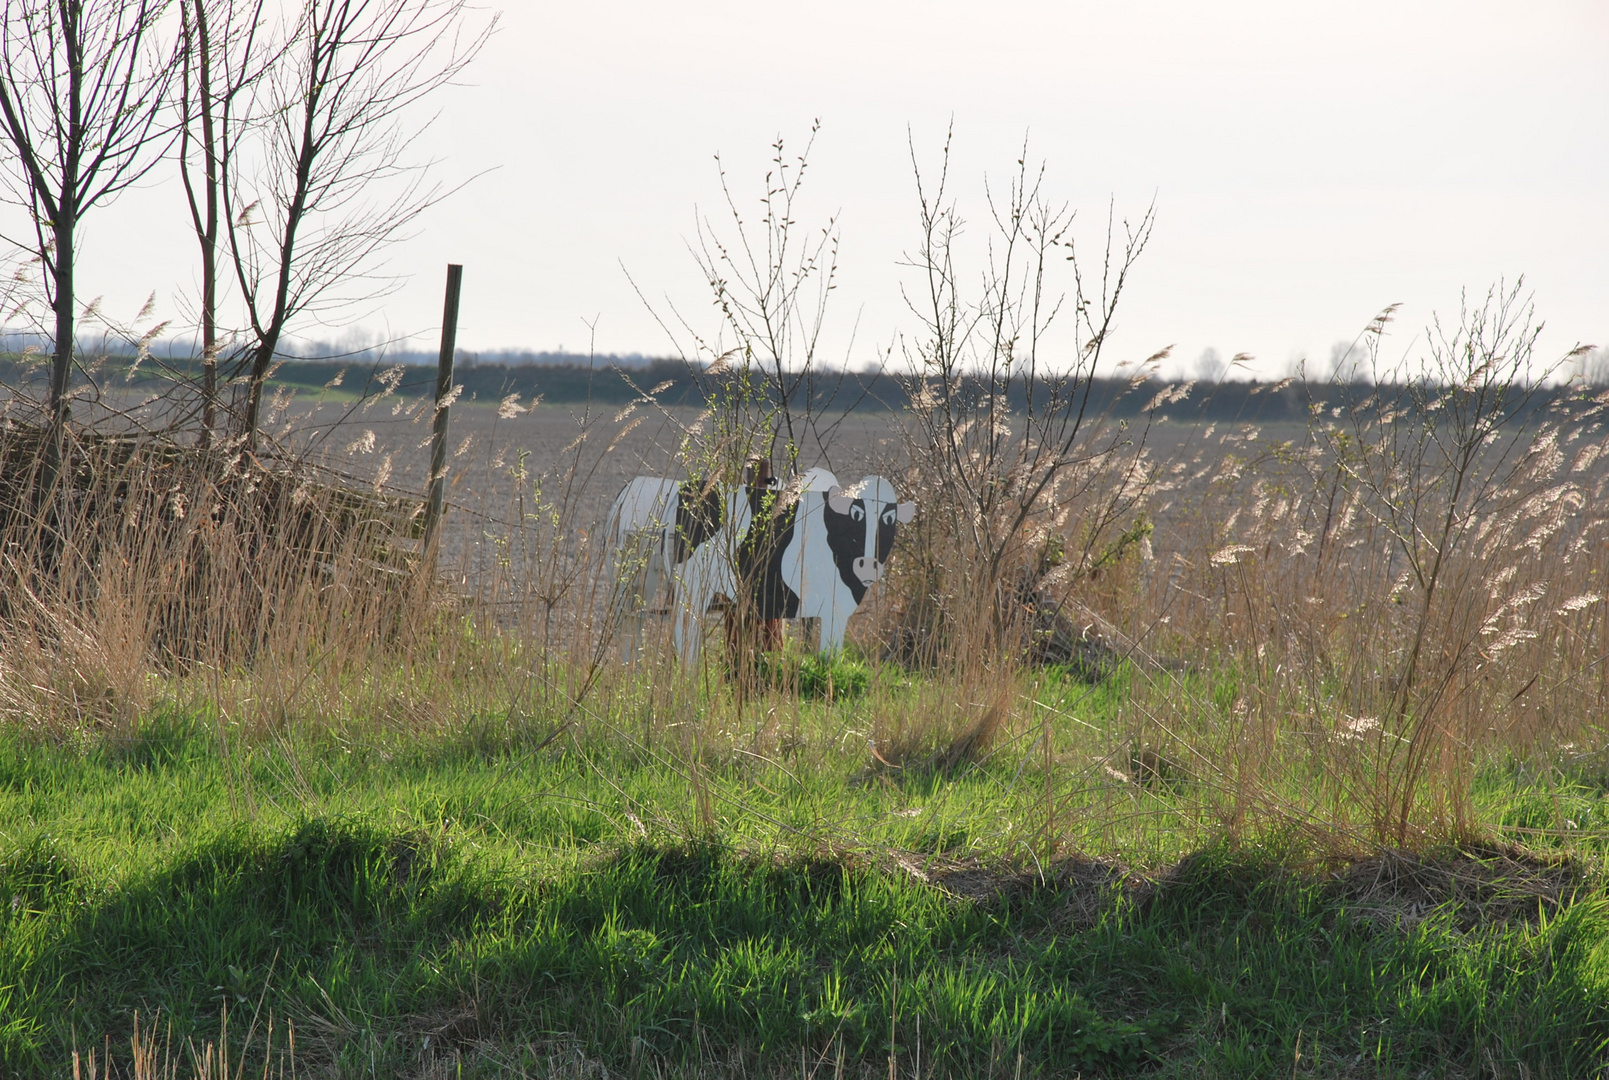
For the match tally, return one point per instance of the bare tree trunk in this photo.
(323, 55)
(64, 225)
(224, 48)
(79, 95)
(204, 217)
(262, 355)
(62, 359)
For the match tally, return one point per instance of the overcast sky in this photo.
(1310, 163)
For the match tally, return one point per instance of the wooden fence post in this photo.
(438, 441)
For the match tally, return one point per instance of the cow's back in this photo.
(646, 502)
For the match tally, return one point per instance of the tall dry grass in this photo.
(149, 557)
(1409, 589)
(1327, 630)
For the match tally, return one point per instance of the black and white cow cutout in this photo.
(819, 548)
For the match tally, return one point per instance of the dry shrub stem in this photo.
(1024, 487)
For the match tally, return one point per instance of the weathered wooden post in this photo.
(438, 441)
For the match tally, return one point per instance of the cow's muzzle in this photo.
(867, 570)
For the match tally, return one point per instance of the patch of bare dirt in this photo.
(1391, 889)
(1477, 886)
(1084, 887)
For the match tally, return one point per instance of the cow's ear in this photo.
(906, 512)
(839, 500)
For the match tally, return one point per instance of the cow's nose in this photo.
(868, 570)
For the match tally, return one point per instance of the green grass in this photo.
(814, 677)
(469, 899)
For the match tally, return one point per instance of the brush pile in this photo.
(199, 552)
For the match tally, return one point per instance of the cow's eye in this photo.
(888, 516)
(857, 512)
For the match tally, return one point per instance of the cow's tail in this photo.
(611, 522)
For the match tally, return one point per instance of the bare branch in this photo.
(318, 181)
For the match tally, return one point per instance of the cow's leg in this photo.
(693, 594)
(625, 603)
(657, 594)
(636, 533)
(633, 626)
(687, 626)
(834, 621)
(629, 629)
(635, 578)
(708, 572)
(622, 601)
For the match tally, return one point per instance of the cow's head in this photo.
(861, 521)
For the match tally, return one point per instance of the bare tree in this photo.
(771, 282)
(1350, 361)
(220, 60)
(316, 179)
(81, 95)
(769, 403)
(1211, 367)
(1010, 454)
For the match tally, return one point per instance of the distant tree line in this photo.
(677, 383)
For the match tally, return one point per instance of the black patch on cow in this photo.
(886, 525)
(759, 556)
(846, 539)
(698, 517)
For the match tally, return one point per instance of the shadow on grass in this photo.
(387, 946)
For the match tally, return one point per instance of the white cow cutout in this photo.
(828, 545)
